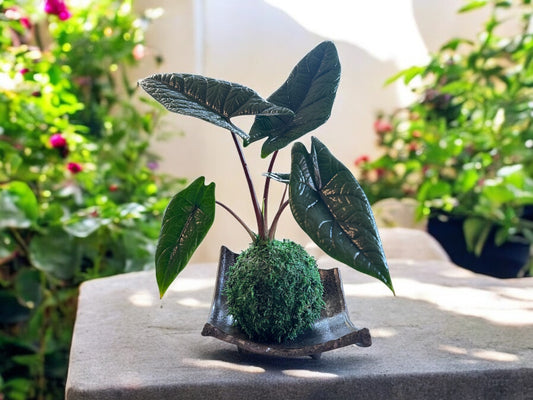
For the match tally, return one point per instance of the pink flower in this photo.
(361, 160)
(382, 126)
(25, 22)
(74, 167)
(57, 7)
(138, 52)
(23, 71)
(58, 141)
(14, 13)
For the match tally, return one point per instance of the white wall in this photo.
(255, 43)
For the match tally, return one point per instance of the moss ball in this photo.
(274, 291)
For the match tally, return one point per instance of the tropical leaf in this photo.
(309, 91)
(212, 100)
(330, 206)
(186, 221)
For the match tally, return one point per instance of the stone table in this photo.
(448, 334)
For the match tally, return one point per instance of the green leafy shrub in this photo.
(79, 194)
(464, 147)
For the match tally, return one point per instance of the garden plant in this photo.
(80, 196)
(274, 290)
(464, 147)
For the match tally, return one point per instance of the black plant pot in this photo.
(331, 331)
(503, 261)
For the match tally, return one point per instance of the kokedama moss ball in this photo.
(274, 291)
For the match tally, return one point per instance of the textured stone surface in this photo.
(447, 334)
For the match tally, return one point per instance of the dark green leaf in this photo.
(55, 253)
(28, 287)
(330, 206)
(309, 91)
(209, 99)
(186, 221)
(12, 311)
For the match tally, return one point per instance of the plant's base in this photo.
(331, 331)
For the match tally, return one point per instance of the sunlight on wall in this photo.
(384, 28)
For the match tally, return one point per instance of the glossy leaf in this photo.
(279, 177)
(309, 91)
(209, 99)
(330, 206)
(186, 221)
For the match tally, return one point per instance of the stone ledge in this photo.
(448, 333)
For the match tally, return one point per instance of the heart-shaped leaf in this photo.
(309, 92)
(330, 206)
(212, 100)
(186, 221)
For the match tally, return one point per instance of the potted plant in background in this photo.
(464, 148)
(272, 291)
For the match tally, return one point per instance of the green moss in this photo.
(274, 291)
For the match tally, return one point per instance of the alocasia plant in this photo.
(324, 197)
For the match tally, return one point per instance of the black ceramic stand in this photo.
(332, 331)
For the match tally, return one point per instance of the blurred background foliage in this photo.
(80, 195)
(464, 147)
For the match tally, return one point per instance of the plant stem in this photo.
(274, 225)
(257, 209)
(283, 203)
(267, 189)
(250, 232)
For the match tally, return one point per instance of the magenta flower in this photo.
(58, 141)
(57, 7)
(25, 22)
(74, 167)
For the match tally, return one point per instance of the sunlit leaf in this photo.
(472, 5)
(18, 205)
(211, 100)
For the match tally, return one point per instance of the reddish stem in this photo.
(255, 203)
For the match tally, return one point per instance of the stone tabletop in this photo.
(447, 334)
